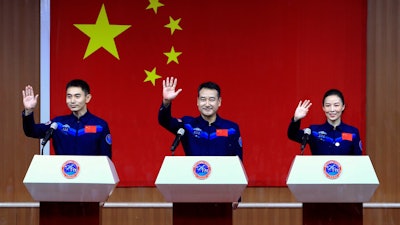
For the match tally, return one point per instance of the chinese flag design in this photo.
(90, 129)
(265, 54)
(222, 132)
(347, 137)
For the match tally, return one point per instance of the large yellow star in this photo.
(172, 55)
(152, 76)
(173, 25)
(154, 4)
(102, 34)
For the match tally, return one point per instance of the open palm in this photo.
(302, 109)
(29, 98)
(169, 86)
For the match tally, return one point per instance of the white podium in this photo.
(346, 180)
(202, 188)
(67, 185)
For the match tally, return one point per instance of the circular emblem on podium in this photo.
(201, 170)
(70, 169)
(332, 169)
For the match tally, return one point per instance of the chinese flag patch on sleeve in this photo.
(222, 132)
(347, 136)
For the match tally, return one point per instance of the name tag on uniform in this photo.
(222, 132)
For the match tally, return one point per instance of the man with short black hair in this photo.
(79, 133)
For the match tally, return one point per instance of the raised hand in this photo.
(29, 99)
(302, 110)
(169, 92)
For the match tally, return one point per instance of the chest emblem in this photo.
(222, 132)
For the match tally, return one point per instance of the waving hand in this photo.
(169, 92)
(29, 99)
(302, 110)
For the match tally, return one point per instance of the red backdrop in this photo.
(265, 54)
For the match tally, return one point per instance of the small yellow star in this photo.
(152, 76)
(173, 25)
(172, 55)
(102, 34)
(154, 4)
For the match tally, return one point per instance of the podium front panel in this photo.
(332, 178)
(65, 178)
(218, 178)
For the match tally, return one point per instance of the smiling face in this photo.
(208, 103)
(333, 107)
(76, 100)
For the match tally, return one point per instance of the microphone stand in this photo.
(303, 146)
(302, 150)
(175, 144)
(304, 140)
(173, 150)
(41, 150)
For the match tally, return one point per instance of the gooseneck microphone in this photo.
(49, 134)
(177, 139)
(304, 139)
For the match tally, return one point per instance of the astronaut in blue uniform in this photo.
(331, 138)
(79, 133)
(207, 134)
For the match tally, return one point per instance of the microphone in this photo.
(175, 144)
(304, 139)
(49, 133)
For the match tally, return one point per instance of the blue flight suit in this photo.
(88, 135)
(328, 140)
(220, 138)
